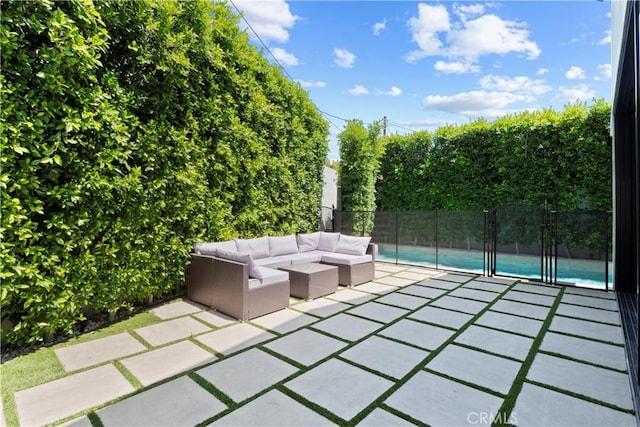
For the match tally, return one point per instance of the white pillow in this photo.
(328, 241)
(228, 245)
(283, 245)
(241, 258)
(352, 245)
(258, 248)
(205, 248)
(308, 242)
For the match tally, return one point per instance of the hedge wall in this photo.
(559, 158)
(131, 129)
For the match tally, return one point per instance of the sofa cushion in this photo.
(240, 257)
(346, 259)
(311, 256)
(283, 245)
(268, 275)
(211, 248)
(328, 241)
(352, 245)
(308, 242)
(274, 261)
(257, 248)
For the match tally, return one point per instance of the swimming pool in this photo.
(570, 271)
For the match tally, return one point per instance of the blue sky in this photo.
(427, 64)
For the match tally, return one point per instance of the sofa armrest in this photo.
(372, 249)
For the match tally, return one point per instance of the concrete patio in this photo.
(413, 347)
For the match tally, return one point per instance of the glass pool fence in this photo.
(517, 240)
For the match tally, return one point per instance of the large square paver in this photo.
(441, 402)
(62, 398)
(597, 293)
(605, 303)
(474, 294)
(386, 356)
(98, 351)
(215, 318)
(178, 402)
(234, 338)
(422, 291)
(530, 298)
(402, 300)
(376, 288)
(598, 383)
(171, 330)
(164, 362)
(305, 346)
(177, 309)
(381, 418)
(537, 289)
(350, 328)
(441, 316)
(609, 355)
(411, 275)
(486, 286)
(380, 312)
(246, 374)
(283, 321)
(509, 323)
(588, 313)
(419, 334)
(394, 281)
(274, 408)
(339, 387)
(563, 410)
(502, 343)
(460, 304)
(350, 296)
(455, 277)
(391, 268)
(584, 328)
(521, 309)
(321, 307)
(440, 284)
(482, 369)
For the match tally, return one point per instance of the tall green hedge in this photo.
(131, 129)
(562, 159)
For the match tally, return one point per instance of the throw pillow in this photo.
(352, 245)
(328, 241)
(308, 242)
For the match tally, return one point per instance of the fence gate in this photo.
(523, 242)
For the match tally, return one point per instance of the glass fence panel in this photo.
(461, 240)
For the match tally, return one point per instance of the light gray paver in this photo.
(422, 291)
(509, 323)
(394, 281)
(402, 300)
(598, 383)
(419, 334)
(246, 374)
(498, 280)
(537, 289)
(438, 401)
(460, 304)
(305, 346)
(492, 372)
(600, 331)
(98, 351)
(273, 409)
(589, 313)
(164, 362)
(178, 402)
(215, 318)
(347, 327)
(537, 406)
(171, 330)
(381, 418)
(62, 398)
(350, 296)
(486, 286)
(591, 292)
(83, 421)
(390, 267)
(441, 316)
(497, 342)
(455, 277)
(608, 355)
(425, 271)
(235, 337)
(379, 312)
(339, 387)
(386, 356)
(521, 309)
(606, 303)
(321, 307)
(474, 294)
(412, 275)
(530, 298)
(440, 284)
(376, 288)
(283, 321)
(177, 309)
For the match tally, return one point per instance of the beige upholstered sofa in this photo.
(241, 278)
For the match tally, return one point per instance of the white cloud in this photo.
(605, 70)
(304, 83)
(284, 57)
(343, 58)
(424, 28)
(456, 67)
(394, 91)
(358, 90)
(575, 73)
(465, 12)
(606, 39)
(542, 71)
(270, 19)
(379, 26)
(573, 94)
(519, 84)
(475, 103)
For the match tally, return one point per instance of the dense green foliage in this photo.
(559, 158)
(130, 129)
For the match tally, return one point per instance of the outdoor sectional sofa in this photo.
(241, 278)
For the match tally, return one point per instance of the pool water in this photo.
(569, 271)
